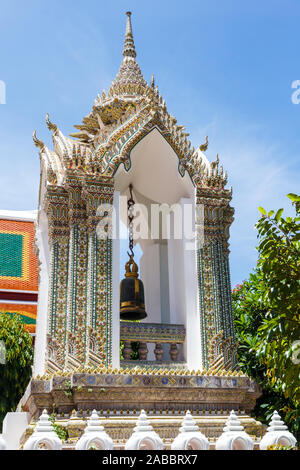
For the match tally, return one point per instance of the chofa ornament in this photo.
(234, 437)
(277, 434)
(144, 437)
(44, 436)
(189, 437)
(94, 436)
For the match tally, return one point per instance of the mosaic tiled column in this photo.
(80, 299)
(77, 275)
(98, 194)
(57, 210)
(217, 329)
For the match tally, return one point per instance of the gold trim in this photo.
(130, 303)
(131, 268)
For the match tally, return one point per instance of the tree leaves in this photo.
(293, 197)
(267, 309)
(16, 372)
(278, 215)
(262, 210)
(279, 255)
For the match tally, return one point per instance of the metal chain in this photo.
(130, 205)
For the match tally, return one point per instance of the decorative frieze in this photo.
(152, 332)
(163, 389)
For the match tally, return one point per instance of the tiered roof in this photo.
(118, 121)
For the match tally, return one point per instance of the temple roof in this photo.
(118, 120)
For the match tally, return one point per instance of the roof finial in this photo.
(128, 25)
(129, 79)
(129, 48)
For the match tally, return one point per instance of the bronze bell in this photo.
(132, 300)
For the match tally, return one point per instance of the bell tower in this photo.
(130, 161)
(130, 137)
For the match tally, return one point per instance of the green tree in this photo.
(15, 364)
(279, 263)
(249, 313)
(267, 320)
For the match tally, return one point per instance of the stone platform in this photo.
(122, 391)
(119, 395)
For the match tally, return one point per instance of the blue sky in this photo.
(225, 68)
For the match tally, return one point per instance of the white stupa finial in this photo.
(234, 437)
(189, 437)
(143, 424)
(233, 423)
(94, 423)
(277, 434)
(276, 423)
(44, 424)
(44, 435)
(188, 424)
(94, 435)
(144, 437)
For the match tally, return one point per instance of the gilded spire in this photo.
(129, 79)
(129, 47)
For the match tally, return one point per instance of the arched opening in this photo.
(146, 444)
(284, 441)
(194, 444)
(239, 444)
(165, 243)
(96, 444)
(43, 444)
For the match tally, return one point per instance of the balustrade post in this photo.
(127, 350)
(174, 352)
(158, 351)
(143, 351)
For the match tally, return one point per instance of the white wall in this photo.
(193, 336)
(150, 275)
(183, 287)
(164, 283)
(14, 425)
(42, 307)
